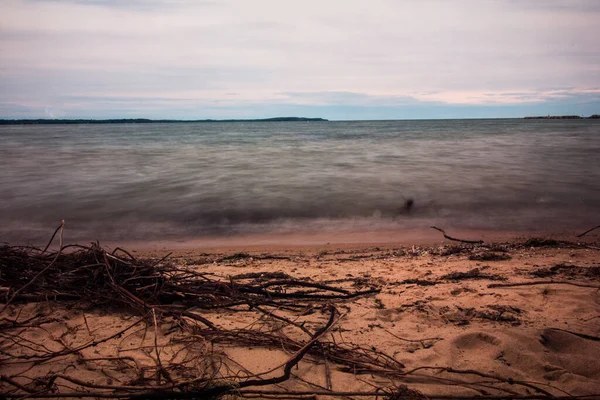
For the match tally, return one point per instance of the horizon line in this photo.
(58, 121)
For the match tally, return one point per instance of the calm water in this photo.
(153, 181)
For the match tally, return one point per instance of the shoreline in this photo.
(348, 240)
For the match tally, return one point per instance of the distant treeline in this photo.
(595, 116)
(42, 121)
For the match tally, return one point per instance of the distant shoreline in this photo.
(595, 116)
(42, 121)
(80, 121)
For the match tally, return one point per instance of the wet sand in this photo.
(319, 241)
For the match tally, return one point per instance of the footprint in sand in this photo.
(572, 353)
(476, 347)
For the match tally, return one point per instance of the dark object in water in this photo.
(408, 205)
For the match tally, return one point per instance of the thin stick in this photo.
(588, 231)
(86, 325)
(328, 375)
(481, 374)
(161, 370)
(58, 253)
(7, 379)
(455, 239)
(92, 343)
(59, 228)
(300, 393)
(221, 389)
(441, 397)
(581, 335)
(533, 283)
(412, 340)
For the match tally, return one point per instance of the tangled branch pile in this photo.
(158, 291)
(119, 279)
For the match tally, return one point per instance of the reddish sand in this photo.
(545, 335)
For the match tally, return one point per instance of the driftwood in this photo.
(588, 231)
(533, 283)
(455, 239)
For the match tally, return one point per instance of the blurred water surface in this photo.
(152, 181)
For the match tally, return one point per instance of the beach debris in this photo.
(236, 256)
(263, 276)
(455, 249)
(496, 313)
(540, 242)
(534, 283)
(402, 392)
(178, 298)
(455, 239)
(171, 340)
(569, 271)
(588, 231)
(471, 274)
(489, 256)
(462, 289)
(420, 282)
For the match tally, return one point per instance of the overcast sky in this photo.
(337, 59)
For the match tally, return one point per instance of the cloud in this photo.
(139, 5)
(562, 5)
(528, 96)
(384, 53)
(346, 99)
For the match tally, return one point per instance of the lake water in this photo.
(186, 180)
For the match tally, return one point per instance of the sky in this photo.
(335, 59)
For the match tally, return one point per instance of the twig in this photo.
(286, 320)
(455, 239)
(59, 228)
(581, 335)
(62, 225)
(483, 375)
(222, 389)
(328, 375)
(434, 339)
(92, 343)
(161, 260)
(433, 397)
(588, 231)
(300, 393)
(123, 251)
(86, 325)
(501, 285)
(161, 370)
(15, 384)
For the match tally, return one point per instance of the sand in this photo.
(438, 314)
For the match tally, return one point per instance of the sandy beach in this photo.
(509, 317)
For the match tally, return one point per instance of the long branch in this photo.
(455, 239)
(533, 283)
